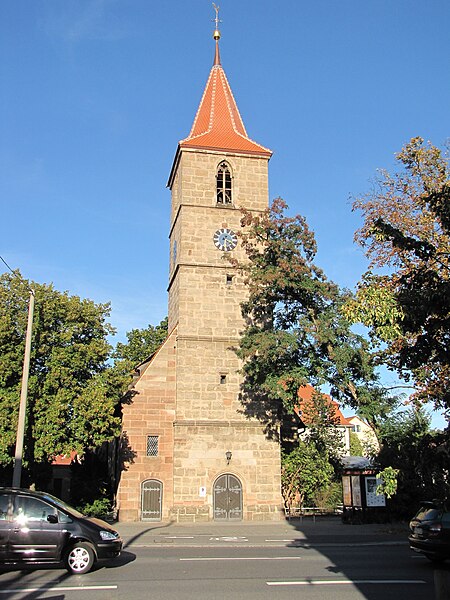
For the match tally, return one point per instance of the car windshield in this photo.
(428, 513)
(61, 504)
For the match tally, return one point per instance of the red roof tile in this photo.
(64, 459)
(218, 124)
(305, 394)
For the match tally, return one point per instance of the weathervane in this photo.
(216, 34)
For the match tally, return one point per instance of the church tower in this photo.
(190, 452)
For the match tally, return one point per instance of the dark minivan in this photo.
(36, 528)
(430, 530)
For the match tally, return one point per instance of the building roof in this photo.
(218, 124)
(64, 459)
(356, 462)
(305, 394)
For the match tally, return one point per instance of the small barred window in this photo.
(152, 445)
(223, 184)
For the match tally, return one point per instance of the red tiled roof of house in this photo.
(305, 394)
(64, 459)
(218, 124)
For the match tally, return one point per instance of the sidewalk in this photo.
(324, 530)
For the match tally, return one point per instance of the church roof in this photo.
(218, 124)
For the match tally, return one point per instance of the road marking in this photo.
(228, 539)
(204, 558)
(347, 582)
(304, 543)
(291, 540)
(179, 537)
(84, 588)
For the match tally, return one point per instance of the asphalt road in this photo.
(220, 567)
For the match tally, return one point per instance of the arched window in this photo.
(223, 183)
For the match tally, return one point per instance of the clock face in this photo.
(225, 239)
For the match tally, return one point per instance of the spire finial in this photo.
(216, 35)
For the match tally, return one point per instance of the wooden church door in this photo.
(227, 498)
(151, 500)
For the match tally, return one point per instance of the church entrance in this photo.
(151, 500)
(227, 498)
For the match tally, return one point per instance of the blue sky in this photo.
(96, 94)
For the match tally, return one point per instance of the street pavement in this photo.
(323, 530)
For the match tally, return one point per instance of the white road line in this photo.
(204, 558)
(294, 540)
(347, 582)
(178, 537)
(228, 538)
(53, 588)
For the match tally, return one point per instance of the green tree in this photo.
(389, 482)
(72, 394)
(356, 448)
(141, 344)
(419, 457)
(304, 472)
(295, 331)
(319, 413)
(405, 297)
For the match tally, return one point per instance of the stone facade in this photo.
(187, 395)
(150, 413)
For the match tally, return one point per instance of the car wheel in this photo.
(80, 558)
(435, 558)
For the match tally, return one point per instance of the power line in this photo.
(4, 261)
(16, 274)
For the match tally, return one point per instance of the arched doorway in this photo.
(151, 500)
(227, 498)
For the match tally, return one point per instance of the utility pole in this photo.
(23, 397)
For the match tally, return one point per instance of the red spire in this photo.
(218, 124)
(217, 55)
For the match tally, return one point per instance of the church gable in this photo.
(147, 429)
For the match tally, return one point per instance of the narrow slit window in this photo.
(223, 379)
(223, 184)
(229, 279)
(152, 445)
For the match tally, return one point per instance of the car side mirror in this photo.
(52, 518)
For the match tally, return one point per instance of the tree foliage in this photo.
(295, 331)
(418, 456)
(72, 395)
(141, 344)
(405, 297)
(389, 482)
(304, 472)
(319, 414)
(356, 447)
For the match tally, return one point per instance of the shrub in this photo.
(329, 497)
(98, 508)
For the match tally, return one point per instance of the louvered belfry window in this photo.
(223, 184)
